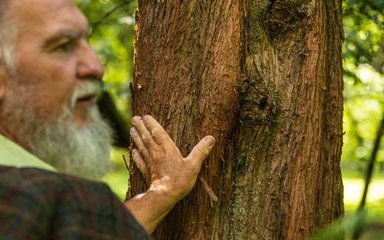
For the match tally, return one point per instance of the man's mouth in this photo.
(85, 94)
(92, 97)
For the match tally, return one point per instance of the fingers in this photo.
(143, 131)
(139, 161)
(137, 139)
(156, 130)
(150, 130)
(200, 152)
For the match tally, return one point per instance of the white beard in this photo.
(76, 150)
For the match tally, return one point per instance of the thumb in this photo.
(200, 152)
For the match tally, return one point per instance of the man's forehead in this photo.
(41, 10)
(45, 18)
(40, 5)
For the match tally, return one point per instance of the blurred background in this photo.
(112, 27)
(112, 24)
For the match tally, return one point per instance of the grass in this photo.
(353, 189)
(374, 211)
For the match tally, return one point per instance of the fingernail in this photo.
(209, 141)
(135, 119)
(134, 151)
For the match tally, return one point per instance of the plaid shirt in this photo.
(39, 204)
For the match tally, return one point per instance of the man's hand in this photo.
(169, 175)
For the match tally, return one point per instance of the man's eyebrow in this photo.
(65, 34)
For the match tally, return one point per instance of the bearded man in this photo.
(54, 144)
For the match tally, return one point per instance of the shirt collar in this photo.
(13, 155)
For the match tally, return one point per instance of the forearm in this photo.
(150, 208)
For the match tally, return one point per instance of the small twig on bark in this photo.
(125, 161)
(211, 194)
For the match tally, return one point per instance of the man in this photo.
(51, 132)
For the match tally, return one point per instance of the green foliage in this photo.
(363, 50)
(117, 179)
(363, 24)
(112, 28)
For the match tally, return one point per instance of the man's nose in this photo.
(89, 65)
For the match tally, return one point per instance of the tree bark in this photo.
(265, 79)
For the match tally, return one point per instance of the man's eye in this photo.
(65, 47)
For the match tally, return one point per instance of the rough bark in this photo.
(263, 77)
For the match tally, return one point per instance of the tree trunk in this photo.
(264, 78)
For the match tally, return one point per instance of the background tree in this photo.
(265, 78)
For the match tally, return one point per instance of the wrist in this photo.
(150, 207)
(168, 191)
(163, 192)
